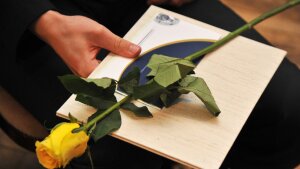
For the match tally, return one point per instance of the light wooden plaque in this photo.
(237, 75)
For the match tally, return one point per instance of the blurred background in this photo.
(282, 30)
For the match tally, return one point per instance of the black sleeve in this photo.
(16, 16)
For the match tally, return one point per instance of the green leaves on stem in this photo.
(110, 123)
(198, 86)
(171, 78)
(99, 93)
(130, 81)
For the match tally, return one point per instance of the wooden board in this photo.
(237, 74)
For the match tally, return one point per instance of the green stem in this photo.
(242, 29)
(105, 113)
(200, 53)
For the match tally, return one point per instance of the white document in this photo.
(156, 33)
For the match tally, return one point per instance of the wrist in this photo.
(45, 27)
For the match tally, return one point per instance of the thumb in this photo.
(106, 39)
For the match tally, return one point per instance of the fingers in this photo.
(85, 68)
(115, 44)
(83, 64)
(90, 68)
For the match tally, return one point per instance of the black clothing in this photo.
(29, 70)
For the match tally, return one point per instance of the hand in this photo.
(170, 2)
(77, 40)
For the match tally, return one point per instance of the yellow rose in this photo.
(61, 146)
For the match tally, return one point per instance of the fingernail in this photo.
(134, 49)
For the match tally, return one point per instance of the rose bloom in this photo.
(61, 146)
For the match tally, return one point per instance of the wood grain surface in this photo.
(237, 74)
